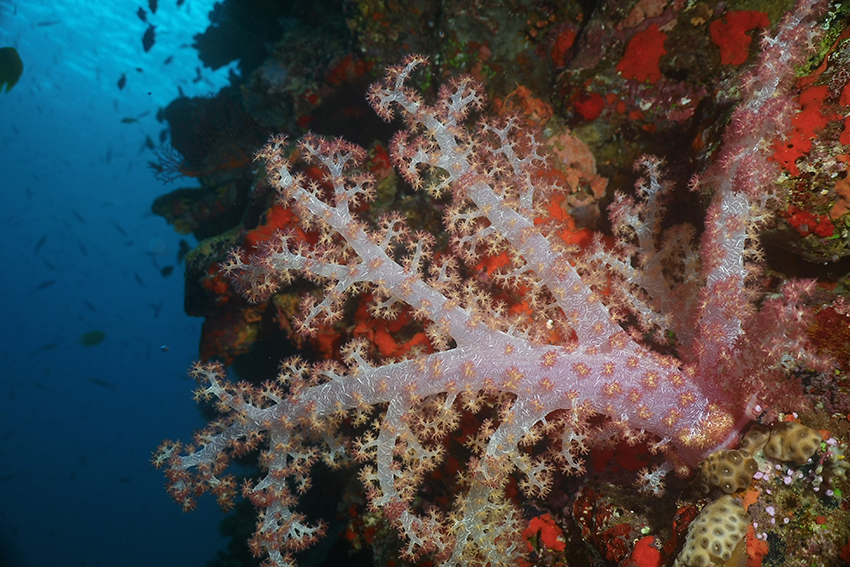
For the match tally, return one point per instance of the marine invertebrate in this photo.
(589, 344)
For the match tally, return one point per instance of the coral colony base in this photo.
(588, 345)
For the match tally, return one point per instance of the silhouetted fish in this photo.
(46, 284)
(183, 250)
(142, 15)
(152, 4)
(40, 243)
(122, 81)
(11, 68)
(103, 383)
(148, 38)
(92, 338)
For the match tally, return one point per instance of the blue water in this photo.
(80, 252)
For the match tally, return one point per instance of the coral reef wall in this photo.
(480, 293)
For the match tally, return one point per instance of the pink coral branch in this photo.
(729, 351)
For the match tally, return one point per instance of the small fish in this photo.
(45, 284)
(167, 271)
(148, 38)
(183, 250)
(122, 82)
(180, 91)
(139, 279)
(120, 230)
(142, 14)
(83, 249)
(103, 383)
(40, 243)
(168, 60)
(90, 305)
(148, 145)
(109, 154)
(163, 136)
(78, 216)
(92, 338)
(129, 120)
(152, 4)
(48, 23)
(48, 346)
(198, 78)
(11, 68)
(164, 348)
(157, 307)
